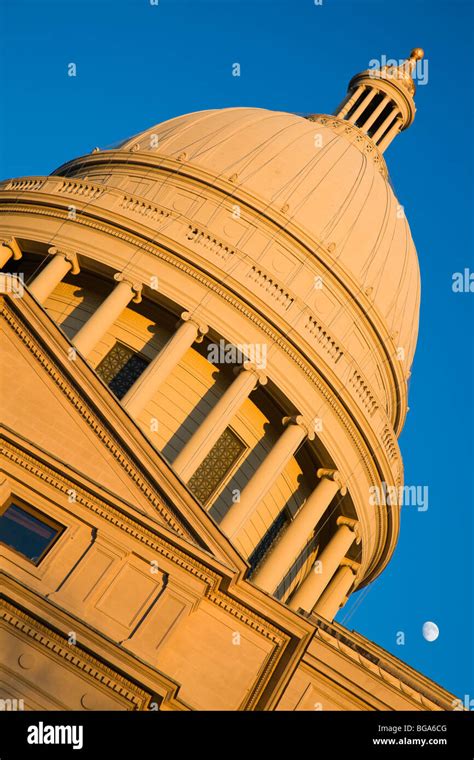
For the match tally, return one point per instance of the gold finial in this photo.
(409, 66)
(417, 54)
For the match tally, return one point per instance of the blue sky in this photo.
(138, 64)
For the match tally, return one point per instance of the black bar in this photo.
(130, 735)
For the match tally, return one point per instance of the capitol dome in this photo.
(208, 332)
(320, 175)
(277, 237)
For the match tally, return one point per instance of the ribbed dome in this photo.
(327, 183)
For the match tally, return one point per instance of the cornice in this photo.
(146, 536)
(122, 662)
(89, 417)
(74, 656)
(104, 510)
(219, 185)
(127, 441)
(393, 675)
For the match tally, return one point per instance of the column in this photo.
(200, 444)
(104, 317)
(391, 134)
(348, 102)
(263, 479)
(376, 113)
(309, 592)
(9, 248)
(335, 595)
(143, 389)
(361, 108)
(51, 275)
(385, 124)
(281, 558)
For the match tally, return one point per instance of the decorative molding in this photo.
(278, 639)
(86, 413)
(136, 206)
(359, 138)
(29, 463)
(376, 665)
(207, 240)
(173, 554)
(83, 189)
(362, 389)
(323, 337)
(27, 184)
(254, 622)
(271, 286)
(93, 668)
(390, 447)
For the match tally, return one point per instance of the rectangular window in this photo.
(27, 531)
(299, 569)
(120, 368)
(216, 466)
(272, 534)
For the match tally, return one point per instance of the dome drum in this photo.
(248, 227)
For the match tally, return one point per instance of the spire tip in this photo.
(417, 54)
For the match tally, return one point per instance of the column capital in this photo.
(12, 244)
(334, 475)
(248, 366)
(68, 255)
(352, 524)
(202, 328)
(350, 563)
(136, 287)
(299, 419)
(355, 569)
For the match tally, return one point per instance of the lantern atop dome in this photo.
(380, 101)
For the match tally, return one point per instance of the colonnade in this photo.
(329, 581)
(364, 95)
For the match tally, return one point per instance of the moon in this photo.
(430, 631)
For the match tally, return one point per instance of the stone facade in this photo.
(207, 517)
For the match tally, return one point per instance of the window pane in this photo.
(268, 539)
(25, 533)
(299, 569)
(120, 368)
(218, 463)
